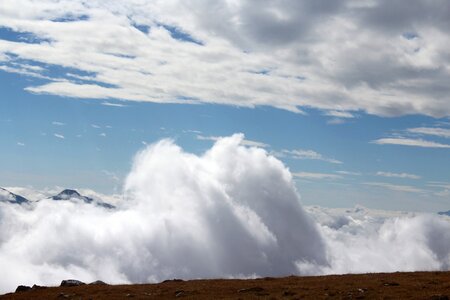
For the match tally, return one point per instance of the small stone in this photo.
(391, 284)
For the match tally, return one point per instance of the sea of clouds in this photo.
(233, 211)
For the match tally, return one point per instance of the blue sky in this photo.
(77, 104)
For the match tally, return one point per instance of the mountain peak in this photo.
(69, 192)
(7, 196)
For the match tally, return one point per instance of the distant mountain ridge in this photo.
(65, 195)
(7, 196)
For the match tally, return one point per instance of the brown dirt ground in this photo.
(417, 285)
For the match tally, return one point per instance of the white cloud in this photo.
(96, 126)
(192, 131)
(287, 55)
(20, 144)
(308, 154)
(102, 134)
(348, 173)
(398, 175)
(309, 175)
(244, 142)
(113, 104)
(410, 142)
(336, 121)
(445, 185)
(339, 114)
(59, 136)
(58, 123)
(179, 213)
(436, 131)
(395, 187)
(361, 240)
(444, 188)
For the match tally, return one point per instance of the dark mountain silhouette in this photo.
(69, 194)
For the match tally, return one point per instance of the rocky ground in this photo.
(417, 285)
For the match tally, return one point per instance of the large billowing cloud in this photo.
(382, 57)
(231, 212)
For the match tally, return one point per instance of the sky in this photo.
(352, 96)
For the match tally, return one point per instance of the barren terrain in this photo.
(417, 285)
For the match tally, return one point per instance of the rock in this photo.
(98, 282)
(172, 280)
(71, 282)
(23, 288)
(37, 287)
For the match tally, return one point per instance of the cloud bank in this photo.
(230, 212)
(386, 58)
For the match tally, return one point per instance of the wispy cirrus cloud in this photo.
(445, 185)
(106, 103)
(443, 188)
(396, 187)
(311, 175)
(306, 154)
(410, 142)
(59, 136)
(435, 131)
(398, 175)
(348, 173)
(419, 136)
(244, 142)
